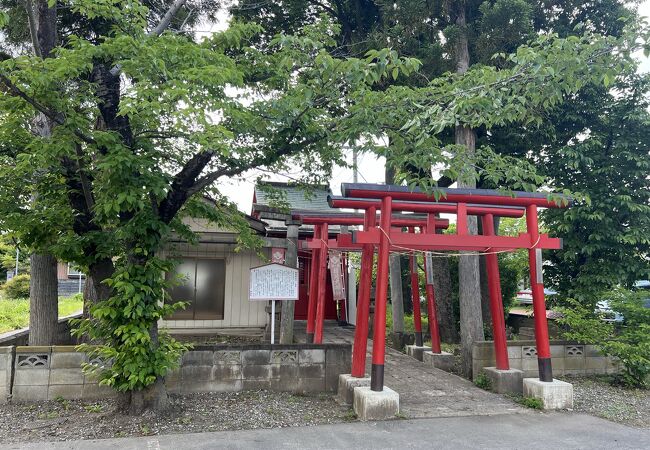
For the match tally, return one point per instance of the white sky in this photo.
(371, 169)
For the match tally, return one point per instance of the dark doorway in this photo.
(203, 287)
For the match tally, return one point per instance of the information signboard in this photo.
(336, 272)
(273, 282)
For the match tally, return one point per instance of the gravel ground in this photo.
(68, 420)
(596, 396)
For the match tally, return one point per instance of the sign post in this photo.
(273, 282)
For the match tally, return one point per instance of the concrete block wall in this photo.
(299, 368)
(6, 365)
(47, 373)
(567, 358)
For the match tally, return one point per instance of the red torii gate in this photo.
(320, 246)
(462, 202)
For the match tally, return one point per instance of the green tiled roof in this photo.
(313, 198)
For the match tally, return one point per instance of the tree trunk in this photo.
(95, 289)
(288, 306)
(485, 294)
(471, 319)
(395, 276)
(396, 299)
(43, 285)
(444, 304)
(154, 397)
(43, 300)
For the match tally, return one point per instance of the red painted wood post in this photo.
(363, 303)
(415, 296)
(430, 294)
(496, 300)
(322, 286)
(379, 326)
(539, 305)
(313, 288)
(461, 219)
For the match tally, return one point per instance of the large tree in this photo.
(143, 126)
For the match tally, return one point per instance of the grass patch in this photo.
(483, 381)
(14, 314)
(531, 402)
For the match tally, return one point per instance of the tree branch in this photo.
(59, 119)
(162, 26)
(33, 29)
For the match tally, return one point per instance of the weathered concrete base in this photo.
(555, 394)
(373, 405)
(347, 383)
(505, 381)
(443, 361)
(416, 351)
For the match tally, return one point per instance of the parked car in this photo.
(525, 296)
(605, 311)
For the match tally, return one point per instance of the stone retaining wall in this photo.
(567, 358)
(46, 373)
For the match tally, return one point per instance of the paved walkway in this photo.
(424, 390)
(512, 431)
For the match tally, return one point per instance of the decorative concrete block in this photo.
(284, 356)
(66, 376)
(346, 385)
(311, 356)
(374, 405)
(505, 381)
(227, 357)
(416, 351)
(554, 395)
(575, 350)
(444, 361)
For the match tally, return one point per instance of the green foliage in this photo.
(483, 381)
(530, 402)
(629, 342)
(605, 234)
(17, 287)
(122, 324)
